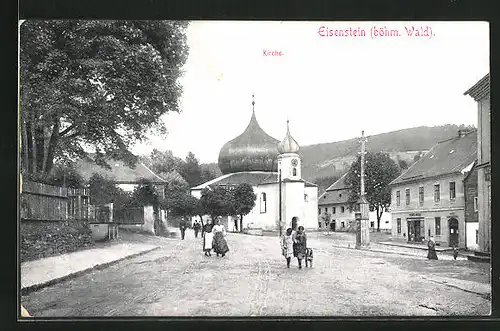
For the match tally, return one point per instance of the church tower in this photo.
(288, 159)
(292, 186)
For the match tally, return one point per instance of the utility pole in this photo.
(279, 188)
(362, 217)
(363, 140)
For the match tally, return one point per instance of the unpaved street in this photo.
(178, 280)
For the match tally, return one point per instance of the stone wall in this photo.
(40, 239)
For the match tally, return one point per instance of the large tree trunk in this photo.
(24, 146)
(33, 145)
(379, 216)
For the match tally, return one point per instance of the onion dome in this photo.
(253, 150)
(288, 145)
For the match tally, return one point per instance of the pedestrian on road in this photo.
(183, 226)
(300, 244)
(196, 228)
(220, 243)
(207, 238)
(431, 244)
(287, 246)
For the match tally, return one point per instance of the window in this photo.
(306, 198)
(437, 220)
(319, 224)
(342, 209)
(477, 237)
(407, 196)
(326, 210)
(398, 198)
(452, 191)
(294, 171)
(263, 203)
(342, 224)
(475, 204)
(398, 222)
(340, 195)
(319, 211)
(437, 194)
(372, 224)
(334, 210)
(421, 195)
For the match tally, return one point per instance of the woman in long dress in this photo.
(287, 246)
(220, 244)
(431, 255)
(300, 244)
(207, 238)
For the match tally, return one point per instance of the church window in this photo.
(333, 210)
(294, 171)
(342, 209)
(306, 198)
(263, 203)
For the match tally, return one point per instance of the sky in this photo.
(330, 88)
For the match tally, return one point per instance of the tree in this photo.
(145, 194)
(100, 84)
(417, 156)
(104, 191)
(403, 164)
(217, 202)
(163, 163)
(326, 217)
(380, 170)
(191, 170)
(243, 201)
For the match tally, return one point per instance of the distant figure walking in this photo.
(431, 255)
(299, 246)
(207, 238)
(196, 228)
(455, 252)
(287, 246)
(220, 244)
(183, 226)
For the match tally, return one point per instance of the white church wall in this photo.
(293, 203)
(310, 220)
(266, 217)
(287, 167)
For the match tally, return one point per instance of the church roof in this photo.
(253, 178)
(288, 145)
(447, 157)
(253, 150)
(120, 173)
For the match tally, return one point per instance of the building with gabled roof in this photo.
(428, 198)
(334, 207)
(480, 92)
(258, 159)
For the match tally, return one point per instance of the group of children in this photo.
(295, 243)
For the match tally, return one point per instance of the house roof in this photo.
(119, 173)
(339, 196)
(446, 157)
(480, 89)
(339, 184)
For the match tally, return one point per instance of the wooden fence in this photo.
(129, 216)
(44, 202)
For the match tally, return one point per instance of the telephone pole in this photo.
(363, 140)
(362, 217)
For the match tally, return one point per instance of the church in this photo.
(262, 161)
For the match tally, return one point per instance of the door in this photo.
(453, 226)
(332, 226)
(294, 223)
(410, 231)
(417, 231)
